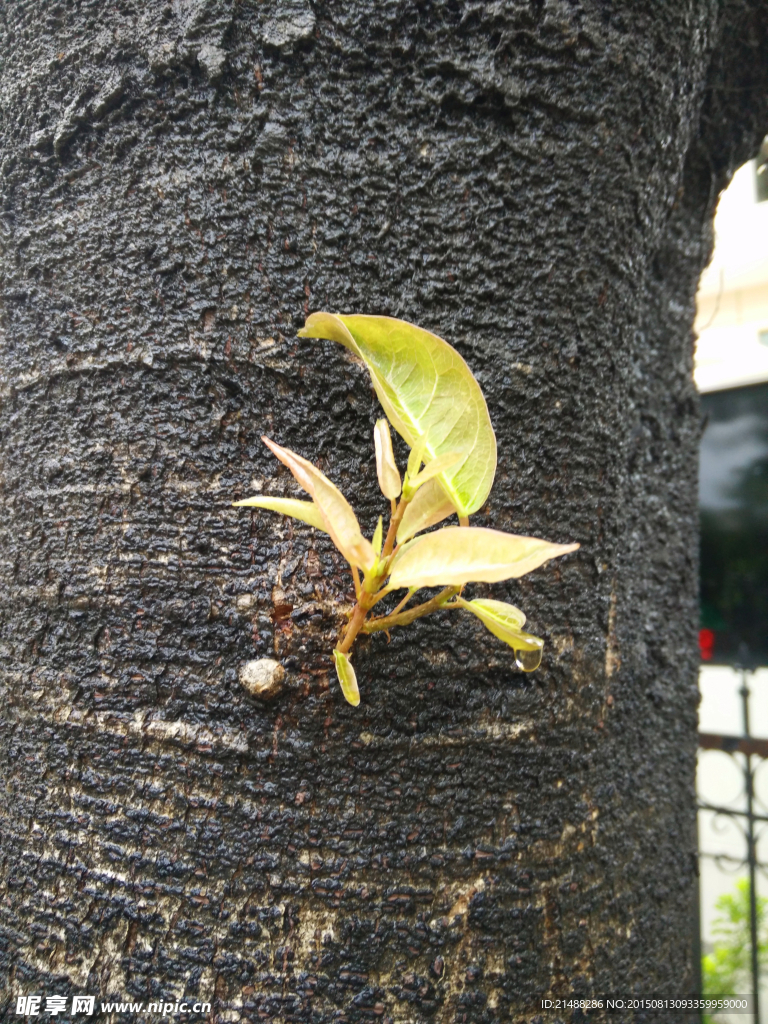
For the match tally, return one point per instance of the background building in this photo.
(732, 374)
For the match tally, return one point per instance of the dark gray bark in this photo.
(533, 181)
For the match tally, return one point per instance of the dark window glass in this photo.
(733, 499)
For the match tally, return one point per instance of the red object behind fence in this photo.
(706, 644)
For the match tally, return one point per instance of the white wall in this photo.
(732, 303)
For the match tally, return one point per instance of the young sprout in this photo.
(433, 401)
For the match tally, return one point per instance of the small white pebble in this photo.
(263, 678)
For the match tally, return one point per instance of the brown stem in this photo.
(403, 603)
(373, 599)
(353, 628)
(394, 523)
(404, 618)
(365, 600)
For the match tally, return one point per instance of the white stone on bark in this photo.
(262, 678)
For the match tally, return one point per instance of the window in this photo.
(733, 503)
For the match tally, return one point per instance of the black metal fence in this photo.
(750, 819)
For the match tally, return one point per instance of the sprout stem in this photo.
(404, 618)
(353, 628)
(405, 601)
(375, 598)
(394, 523)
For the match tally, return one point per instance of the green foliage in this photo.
(306, 511)
(347, 678)
(431, 398)
(726, 971)
(457, 555)
(428, 393)
(505, 622)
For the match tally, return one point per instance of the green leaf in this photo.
(416, 457)
(337, 514)
(504, 621)
(457, 555)
(386, 467)
(306, 511)
(498, 616)
(347, 678)
(428, 393)
(430, 506)
(378, 537)
(433, 469)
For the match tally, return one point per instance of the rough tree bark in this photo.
(534, 181)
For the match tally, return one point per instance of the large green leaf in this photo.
(428, 393)
(306, 511)
(337, 514)
(457, 555)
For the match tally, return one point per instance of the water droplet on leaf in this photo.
(529, 661)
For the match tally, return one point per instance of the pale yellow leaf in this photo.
(386, 467)
(504, 621)
(428, 393)
(378, 536)
(306, 511)
(431, 505)
(457, 555)
(433, 469)
(416, 457)
(497, 615)
(337, 514)
(347, 678)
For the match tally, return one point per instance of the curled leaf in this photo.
(457, 555)
(505, 622)
(378, 537)
(428, 393)
(416, 456)
(498, 616)
(386, 467)
(347, 678)
(433, 469)
(306, 511)
(431, 505)
(337, 514)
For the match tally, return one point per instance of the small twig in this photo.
(375, 598)
(405, 601)
(356, 578)
(404, 618)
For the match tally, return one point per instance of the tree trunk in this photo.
(533, 181)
